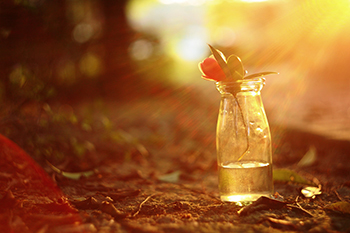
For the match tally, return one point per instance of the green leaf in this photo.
(221, 61)
(287, 175)
(71, 175)
(259, 75)
(236, 68)
(171, 177)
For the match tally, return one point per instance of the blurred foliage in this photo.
(55, 53)
(24, 85)
(52, 49)
(60, 135)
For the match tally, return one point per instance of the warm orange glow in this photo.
(254, 0)
(305, 41)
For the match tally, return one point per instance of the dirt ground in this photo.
(166, 181)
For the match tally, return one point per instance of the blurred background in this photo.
(77, 51)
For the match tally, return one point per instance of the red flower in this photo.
(211, 70)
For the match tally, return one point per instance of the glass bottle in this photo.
(243, 142)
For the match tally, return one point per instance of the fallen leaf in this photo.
(171, 177)
(110, 209)
(29, 194)
(279, 223)
(342, 206)
(107, 207)
(263, 203)
(89, 203)
(71, 175)
(286, 175)
(309, 158)
(20, 168)
(8, 200)
(61, 206)
(311, 191)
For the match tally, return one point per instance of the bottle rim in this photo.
(258, 79)
(245, 85)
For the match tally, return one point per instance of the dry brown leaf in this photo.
(341, 206)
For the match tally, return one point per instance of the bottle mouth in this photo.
(245, 85)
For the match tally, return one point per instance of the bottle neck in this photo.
(248, 85)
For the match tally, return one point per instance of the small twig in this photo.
(336, 193)
(141, 204)
(301, 208)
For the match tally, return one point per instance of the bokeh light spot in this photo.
(141, 49)
(192, 48)
(82, 32)
(90, 65)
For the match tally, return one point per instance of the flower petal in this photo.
(211, 70)
(221, 60)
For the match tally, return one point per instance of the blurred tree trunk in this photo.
(117, 38)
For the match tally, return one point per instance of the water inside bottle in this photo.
(245, 181)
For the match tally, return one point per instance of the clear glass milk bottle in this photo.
(243, 142)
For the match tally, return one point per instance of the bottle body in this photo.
(243, 143)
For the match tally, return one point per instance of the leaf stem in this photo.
(245, 127)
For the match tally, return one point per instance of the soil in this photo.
(166, 181)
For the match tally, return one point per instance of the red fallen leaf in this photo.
(8, 201)
(22, 172)
(30, 190)
(52, 223)
(60, 206)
